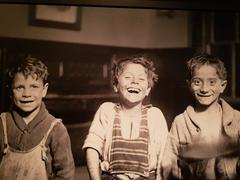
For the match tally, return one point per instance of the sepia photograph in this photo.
(127, 90)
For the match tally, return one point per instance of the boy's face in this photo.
(133, 84)
(28, 92)
(206, 85)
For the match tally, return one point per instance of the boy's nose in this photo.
(134, 80)
(204, 88)
(26, 92)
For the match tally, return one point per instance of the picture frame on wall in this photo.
(55, 16)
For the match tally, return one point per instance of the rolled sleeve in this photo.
(99, 128)
(93, 141)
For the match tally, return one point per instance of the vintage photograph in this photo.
(122, 91)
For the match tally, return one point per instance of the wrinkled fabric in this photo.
(23, 137)
(100, 135)
(223, 156)
(18, 165)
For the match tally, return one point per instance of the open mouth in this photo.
(26, 102)
(203, 95)
(133, 90)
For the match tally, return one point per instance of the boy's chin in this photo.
(205, 104)
(25, 112)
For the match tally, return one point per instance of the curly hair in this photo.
(29, 66)
(206, 59)
(118, 67)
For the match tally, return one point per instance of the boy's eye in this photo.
(212, 82)
(142, 79)
(196, 82)
(34, 86)
(127, 76)
(18, 88)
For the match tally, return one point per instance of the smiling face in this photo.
(206, 85)
(28, 92)
(132, 84)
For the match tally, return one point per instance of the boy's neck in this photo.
(31, 116)
(215, 107)
(28, 116)
(132, 110)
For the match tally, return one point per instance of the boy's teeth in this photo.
(133, 90)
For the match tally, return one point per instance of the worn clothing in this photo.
(107, 176)
(129, 155)
(59, 161)
(22, 161)
(100, 134)
(219, 156)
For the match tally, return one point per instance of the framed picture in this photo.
(55, 16)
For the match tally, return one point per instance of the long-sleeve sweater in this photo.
(22, 136)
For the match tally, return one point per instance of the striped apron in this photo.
(130, 156)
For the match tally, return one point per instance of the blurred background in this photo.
(79, 43)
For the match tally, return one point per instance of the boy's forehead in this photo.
(133, 66)
(206, 70)
(22, 76)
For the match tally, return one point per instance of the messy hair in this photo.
(206, 59)
(29, 66)
(119, 65)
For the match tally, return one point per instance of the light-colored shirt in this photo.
(188, 139)
(100, 133)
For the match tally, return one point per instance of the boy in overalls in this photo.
(203, 141)
(33, 143)
(126, 139)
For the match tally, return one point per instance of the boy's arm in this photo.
(97, 136)
(163, 134)
(92, 157)
(169, 163)
(63, 162)
(1, 140)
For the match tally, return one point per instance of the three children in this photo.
(33, 143)
(126, 139)
(204, 140)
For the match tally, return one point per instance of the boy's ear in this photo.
(45, 88)
(148, 91)
(115, 88)
(223, 85)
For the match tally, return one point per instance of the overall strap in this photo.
(49, 130)
(5, 139)
(43, 142)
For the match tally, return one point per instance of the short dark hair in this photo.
(141, 59)
(206, 59)
(29, 66)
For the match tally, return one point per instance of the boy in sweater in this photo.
(33, 143)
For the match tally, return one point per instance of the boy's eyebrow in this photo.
(18, 85)
(212, 78)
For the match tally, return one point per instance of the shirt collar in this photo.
(41, 115)
(227, 113)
